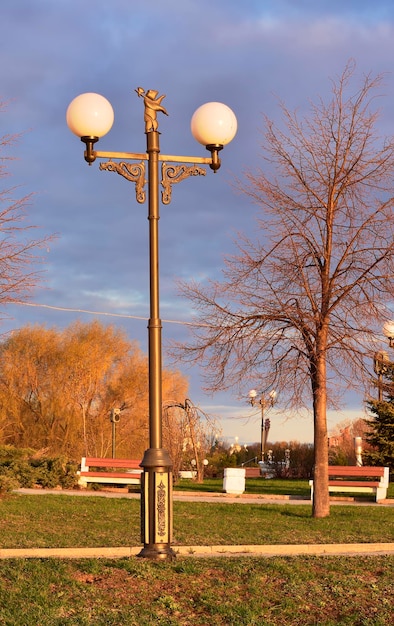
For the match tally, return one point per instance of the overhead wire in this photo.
(106, 313)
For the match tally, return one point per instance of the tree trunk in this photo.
(321, 503)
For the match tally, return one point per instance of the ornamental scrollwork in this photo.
(135, 172)
(161, 510)
(175, 174)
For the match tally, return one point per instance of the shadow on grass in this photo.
(305, 514)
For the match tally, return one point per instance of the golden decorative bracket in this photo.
(171, 174)
(134, 172)
(175, 174)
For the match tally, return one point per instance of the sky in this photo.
(245, 54)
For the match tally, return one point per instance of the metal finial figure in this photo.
(152, 102)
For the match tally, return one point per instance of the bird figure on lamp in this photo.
(152, 102)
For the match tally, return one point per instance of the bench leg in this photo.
(381, 493)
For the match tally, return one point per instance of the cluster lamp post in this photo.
(388, 331)
(90, 116)
(264, 402)
(381, 361)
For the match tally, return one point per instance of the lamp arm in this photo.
(142, 156)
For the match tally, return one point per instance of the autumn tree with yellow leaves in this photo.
(58, 387)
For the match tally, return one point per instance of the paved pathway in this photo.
(335, 549)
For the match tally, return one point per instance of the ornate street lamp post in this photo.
(381, 362)
(388, 330)
(90, 116)
(264, 402)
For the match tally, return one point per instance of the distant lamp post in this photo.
(380, 367)
(388, 330)
(381, 361)
(90, 116)
(114, 418)
(265, 402)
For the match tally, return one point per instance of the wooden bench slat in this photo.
(353, 483)
(348, 470)
(252, 472)
(98, 462)
(136, 480)
(111, 474)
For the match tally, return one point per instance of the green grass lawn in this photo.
(299, 488)
(67, 521)
(299, 591)
(275, 486)
(191, 591)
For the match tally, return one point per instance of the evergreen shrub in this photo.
(23, 467)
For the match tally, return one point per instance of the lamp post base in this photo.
(156, 505)
(157, 552)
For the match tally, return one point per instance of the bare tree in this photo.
(187, 433)
(18, 250)
(299, 308)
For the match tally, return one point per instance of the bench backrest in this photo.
(252, 472)
(114, 463)
(354, 471)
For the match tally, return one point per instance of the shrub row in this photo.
(28, 468)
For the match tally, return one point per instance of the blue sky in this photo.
(245, 54)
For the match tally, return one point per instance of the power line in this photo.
(123, 315)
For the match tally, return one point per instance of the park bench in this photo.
(109, 471)
(355, 479)
(252, 472)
